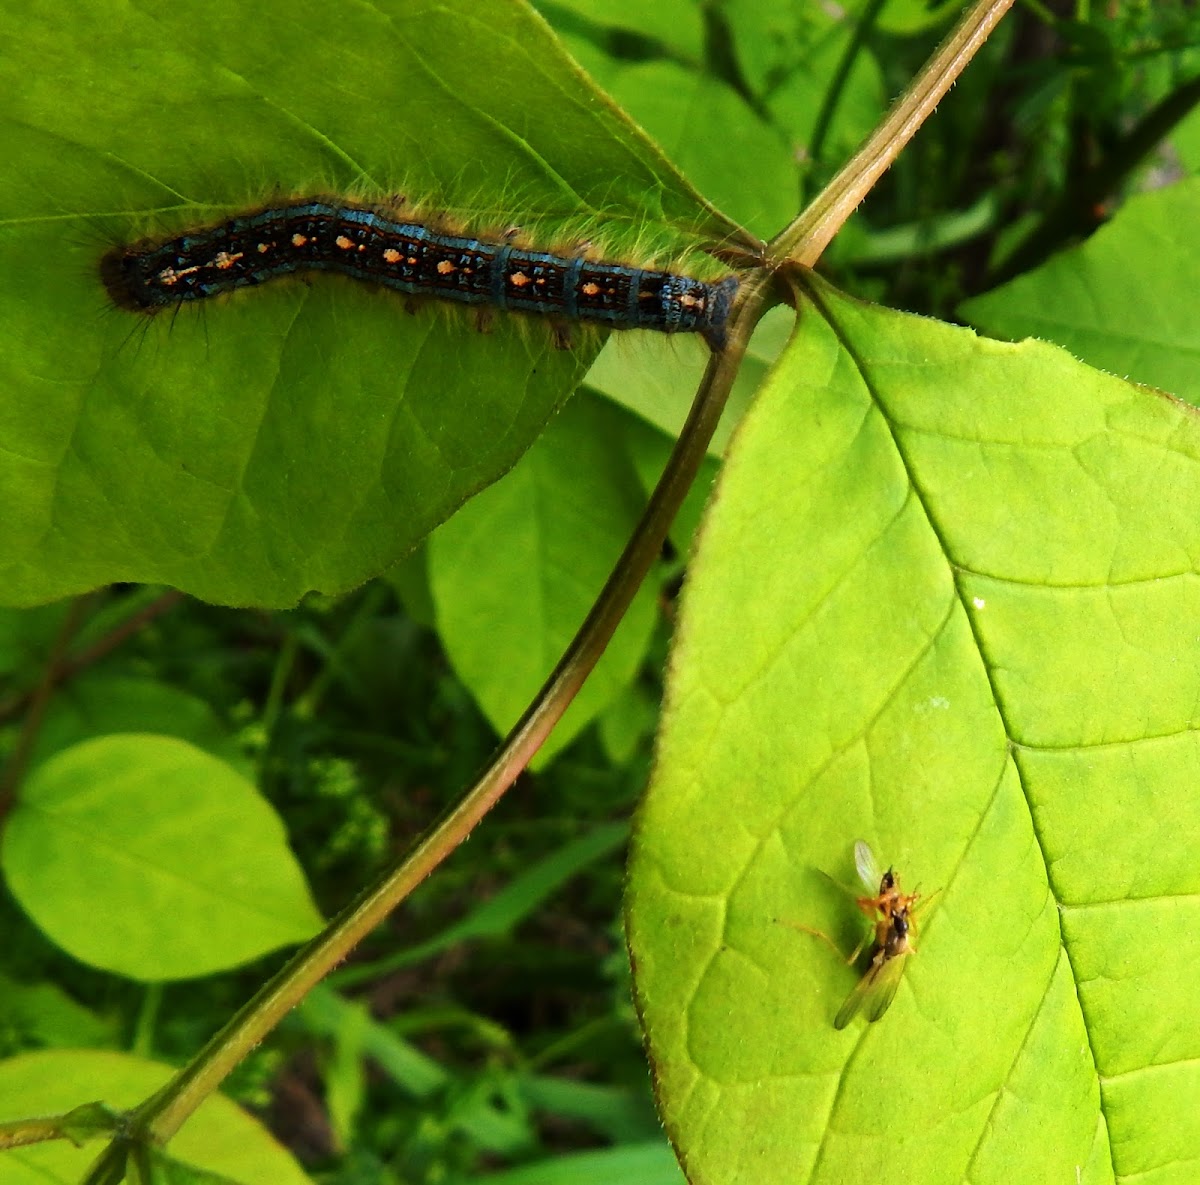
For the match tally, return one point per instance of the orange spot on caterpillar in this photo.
(391, 255)
(224, 260)
(445, 267)
(299, 240)
(170, 275)
(518, 279)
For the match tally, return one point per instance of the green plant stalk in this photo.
(807, 237)
(161, 1116)
(147, 1021)
(20, 1132)
(285, 663)
(78, 1124)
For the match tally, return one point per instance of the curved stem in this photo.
(804, 240)
(71, 666)
(163, 1113)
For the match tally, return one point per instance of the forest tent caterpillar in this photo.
(319, 234)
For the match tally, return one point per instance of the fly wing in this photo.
(853, 1003)
(868, 866)
(882, 991)
(876, 990)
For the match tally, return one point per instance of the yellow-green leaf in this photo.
(945, 601)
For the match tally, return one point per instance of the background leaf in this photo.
(687, 112)
(305, 436)
(146, 856)
(515, 572)
(791, 57)
(677, 24)
(100, 702)
(25, 636)
(1126, 300)
(44, 1014)
(656, 379)
(937, 605)
(220, 1137)
(631, 1164)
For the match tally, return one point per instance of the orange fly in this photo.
(887, 899)
(891, 913)
(873, 994)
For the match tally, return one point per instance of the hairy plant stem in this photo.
(807, 237)
(157, 1119)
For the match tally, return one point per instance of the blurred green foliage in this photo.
(486, 1033)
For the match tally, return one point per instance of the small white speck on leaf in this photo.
(933, 703)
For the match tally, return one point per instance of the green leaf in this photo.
(622, 1114)
(89, 1120)
(25, 636)
(166, 1170)
(409, 580)
(220, 1138)
(649, 1163)
(345, 1074)
(628, 721)
(908, 17)
(515, 572)
(306, 435)
(944, 601)
(709, 130)
(800, 101)
(145, 856)
(792, 56)
(100, 702)
(676, 23)
(44, 1014)
(1185, 142)
(1127, 300)
(657, 379)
